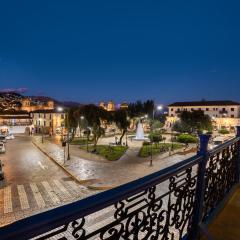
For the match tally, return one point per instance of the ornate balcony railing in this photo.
(173, 203)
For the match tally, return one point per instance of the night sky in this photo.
(87, 51)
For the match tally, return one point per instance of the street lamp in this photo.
(59, 109)
(80, 128)
(155, 109)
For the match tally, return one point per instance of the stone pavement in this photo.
(18, 201)
(33, 183)
(107, 174)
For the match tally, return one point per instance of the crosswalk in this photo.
(36, 196)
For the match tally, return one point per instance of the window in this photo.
(216, 109)
(232, 116)
(39, 115)
(224, 109)
(62, 116)
(44, 115)
(44, 123)
(232, 109)
(199, 109)
(207, 109)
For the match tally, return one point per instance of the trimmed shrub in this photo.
(187, 138)
(145, 143)
(223, 131)
(155, 137)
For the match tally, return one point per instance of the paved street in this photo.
(33, 183)
(109, 173)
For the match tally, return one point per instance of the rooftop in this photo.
(205, 103)
(55, 110)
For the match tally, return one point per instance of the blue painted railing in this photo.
(170, 204)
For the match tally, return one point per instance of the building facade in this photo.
(111, 107)
(28, 105)
(224, 114)
(15, 122)
(48, 121)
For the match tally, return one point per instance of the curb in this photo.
(61, 166)
(103, 188)
(75, 178)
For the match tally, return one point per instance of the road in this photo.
(33, 183)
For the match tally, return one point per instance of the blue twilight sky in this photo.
(168, 50)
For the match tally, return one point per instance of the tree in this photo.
(181, 127)
(95, 116)
(122, 122)
(71, 124)
(140, 108)
(195, 121)
(157, 124)
(148, 107)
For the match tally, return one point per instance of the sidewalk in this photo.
(106, 174)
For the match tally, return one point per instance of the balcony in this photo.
(178, 111)
(223, 112)
(178, 202)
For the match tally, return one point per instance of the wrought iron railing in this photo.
(169, 204)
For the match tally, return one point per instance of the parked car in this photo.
(217, 141)
(3, 139)
(2, 147)
(1, 171)
(10, 136)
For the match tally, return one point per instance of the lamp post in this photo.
(155, 109)
(80, 127)
(42, 134)
(68, 143)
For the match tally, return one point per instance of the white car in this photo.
(10, 136)
(217, 141)
(2, 147)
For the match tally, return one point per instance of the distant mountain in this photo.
(10, 101)
(70, 104)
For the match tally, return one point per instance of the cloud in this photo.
(16, 90)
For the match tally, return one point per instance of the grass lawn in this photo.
(145, 151)
(80, 141)
(111, 153)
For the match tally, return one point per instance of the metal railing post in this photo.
(238, 148)
(200, 187)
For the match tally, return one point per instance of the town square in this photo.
(119, 120)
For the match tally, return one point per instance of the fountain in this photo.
(140, 133)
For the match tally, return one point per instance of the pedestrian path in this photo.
(22, 200)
